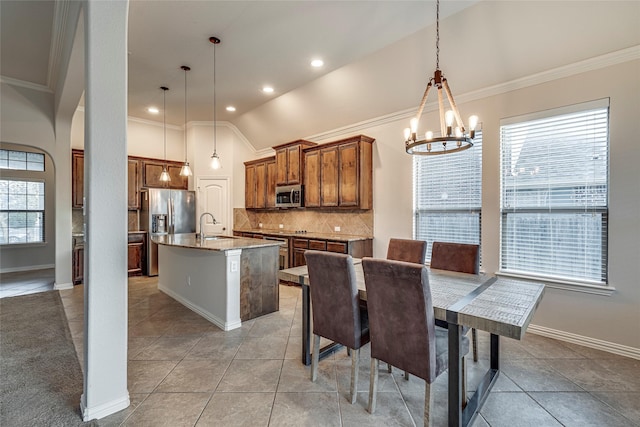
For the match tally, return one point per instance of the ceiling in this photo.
(378, 54)
(263, 43)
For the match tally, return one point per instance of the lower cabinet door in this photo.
(135, 252)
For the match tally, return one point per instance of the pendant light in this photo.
(457, 137)
(164, 176)
(186, 169)
(215, 160)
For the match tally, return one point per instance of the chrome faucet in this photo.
(202, 236)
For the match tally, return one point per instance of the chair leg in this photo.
(474, 342)
(355, 361)
(348, 352)
(428, 403)
(373, 385)
(464, 381)
(315, 357)
(406, 376)
(389, 368)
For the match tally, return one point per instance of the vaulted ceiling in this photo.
(378, 55)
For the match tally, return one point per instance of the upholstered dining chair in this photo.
(406, 250)
(337, 314)
(402, 325)
(461, 257)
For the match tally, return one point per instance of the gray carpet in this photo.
(40, 376)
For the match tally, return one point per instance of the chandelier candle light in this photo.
(186, 169)
(215, 160)
(457, 137)
(164, 176)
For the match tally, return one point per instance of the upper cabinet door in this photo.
(282, 165)
(151, 170)
(329, 176)
(349, 175)
(312, 179)
(250, 186)
(133, 184)
(294, 155)
(271, 184)
(261, 188)
(77, 179)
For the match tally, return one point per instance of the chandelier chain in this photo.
(437, 34)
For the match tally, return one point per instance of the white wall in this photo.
(615, 318)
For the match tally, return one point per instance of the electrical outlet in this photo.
(259, 225)
(336, 228)
(280, 225)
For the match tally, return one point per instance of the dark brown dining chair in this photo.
(406, 250)
(337, 314)
(461, 257)
(402, 325)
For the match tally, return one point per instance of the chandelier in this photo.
(452, 139)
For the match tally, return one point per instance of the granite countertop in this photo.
(307, 235)
(224, 243)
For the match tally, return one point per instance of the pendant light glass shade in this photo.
(186, 169)
(164, 176)
(215, 159)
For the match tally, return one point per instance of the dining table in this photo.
(502, 306)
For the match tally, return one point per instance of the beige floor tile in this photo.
(144, 375)
(515, 410)
(391, 410)
(306, 409)
(295, 377)
(215, 347)
(255, 375)
(194, 376)
(237, 410)
(266, 347)
(169, 409)
(168, 348)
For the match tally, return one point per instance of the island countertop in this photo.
(222, 243)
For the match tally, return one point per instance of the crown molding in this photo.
(591, 64)
(28, 85)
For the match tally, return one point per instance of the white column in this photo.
(232, 316)
(105, 185)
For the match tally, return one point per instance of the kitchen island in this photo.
(224, 279)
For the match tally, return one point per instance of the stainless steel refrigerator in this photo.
(165, 211)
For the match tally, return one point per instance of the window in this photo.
(554, 176)
(21, 160)
(21, 211)
(447, 193)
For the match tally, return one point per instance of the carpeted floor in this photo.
(40, 376)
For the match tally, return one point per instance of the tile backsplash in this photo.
(316, 221)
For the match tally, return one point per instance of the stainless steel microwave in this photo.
(290, 196)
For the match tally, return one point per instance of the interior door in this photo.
(213, 197)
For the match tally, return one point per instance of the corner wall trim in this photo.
(105, 409)
(609, 347)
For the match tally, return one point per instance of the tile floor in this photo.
(183, 371)
(26, 282)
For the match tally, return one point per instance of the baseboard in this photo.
(610, 347)
(62, 286)
(27, 268)
(225, 326)
(101, 411)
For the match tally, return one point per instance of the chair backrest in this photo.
(334, 297)
(401, 318)
(407, 250)
(461, 257)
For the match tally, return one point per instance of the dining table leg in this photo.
(455, 375)
(306, 326)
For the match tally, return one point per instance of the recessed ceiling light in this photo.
(153, 110)
(231, 108)
(317, 63)
(267, 89)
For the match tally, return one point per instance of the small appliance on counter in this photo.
(290, 196)
(163, 212)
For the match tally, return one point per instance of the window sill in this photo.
(565, 285)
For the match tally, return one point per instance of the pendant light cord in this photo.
(185, 113)
(215, 145)
(164, 122)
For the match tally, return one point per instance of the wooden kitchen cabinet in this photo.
(340, 174)
(77, 178)
(151, 170)
(78, 264)
(260, 187)
(355, 248)
(136, 254)
(290, 163)
(133, 184)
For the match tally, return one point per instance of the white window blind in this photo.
(554, 195)
(448, 196)
(21, 211)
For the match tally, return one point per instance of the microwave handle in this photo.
(292, 191)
